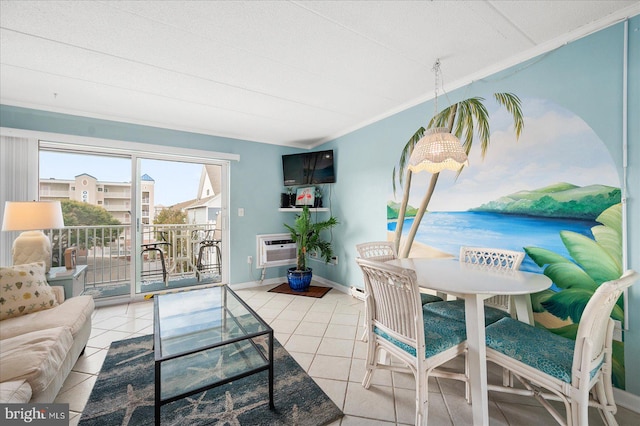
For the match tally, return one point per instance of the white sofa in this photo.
(39, 349)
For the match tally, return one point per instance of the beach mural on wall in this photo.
(554, 193)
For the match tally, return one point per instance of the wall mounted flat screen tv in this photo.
(308, 168)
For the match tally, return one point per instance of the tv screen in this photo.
(308, 168)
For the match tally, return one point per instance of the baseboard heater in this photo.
(275, 250)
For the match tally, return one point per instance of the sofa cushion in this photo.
(35, 357)
(24, 290)
(73, 313)
(15, 392)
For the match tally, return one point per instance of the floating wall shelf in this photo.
(297, 209)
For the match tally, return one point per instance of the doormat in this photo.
(314, 290)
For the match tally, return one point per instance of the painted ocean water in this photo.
(448, 231)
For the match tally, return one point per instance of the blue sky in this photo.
(174, 181)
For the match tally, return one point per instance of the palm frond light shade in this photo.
(437, 150)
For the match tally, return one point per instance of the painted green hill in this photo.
(393, 208)
(561, 200)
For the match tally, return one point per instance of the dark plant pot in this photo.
(299, 280)
(285, 201)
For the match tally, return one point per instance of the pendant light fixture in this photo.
(438, 149)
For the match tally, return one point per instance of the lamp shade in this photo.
(437, 150)
(32, 215)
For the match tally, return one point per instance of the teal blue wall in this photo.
(584, 77)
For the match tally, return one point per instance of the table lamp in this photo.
(32, 216)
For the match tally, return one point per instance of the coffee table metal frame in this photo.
(265, 330)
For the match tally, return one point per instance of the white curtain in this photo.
(18, 181)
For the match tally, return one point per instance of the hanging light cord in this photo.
(436, 70)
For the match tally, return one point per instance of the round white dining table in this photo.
(474, 284)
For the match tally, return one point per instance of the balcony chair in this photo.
(550, 366)
(156, 247)
(395, 323)
(209, 257)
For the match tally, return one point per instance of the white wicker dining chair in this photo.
(495, 259)
(395, 323)
(555, 367)
(382, 251)
(496, 307)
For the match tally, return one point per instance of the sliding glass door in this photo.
(180, 224)
(95, 193)
(139, 224)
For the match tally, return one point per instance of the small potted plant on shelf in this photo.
(288, 198)
(306, 235)
(317, 202)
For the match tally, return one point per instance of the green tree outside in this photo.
(170, 216)
(76, 213)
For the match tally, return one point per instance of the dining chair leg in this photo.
(467, 387)
(384, 357)
(607, 407)
(422, 400)
(366, 382)
(507, 378)
(580, 413)
(604, 393)
(372, 354)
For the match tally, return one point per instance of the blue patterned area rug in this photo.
(124, 394)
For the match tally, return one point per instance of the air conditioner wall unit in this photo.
(275, 250)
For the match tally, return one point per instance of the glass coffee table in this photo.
(206, 338)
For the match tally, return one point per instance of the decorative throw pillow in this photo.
(24, 289)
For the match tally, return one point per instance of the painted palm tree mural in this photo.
(464, 119)
(555, 194)
(591, 263)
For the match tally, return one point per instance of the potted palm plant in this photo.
(306, 235)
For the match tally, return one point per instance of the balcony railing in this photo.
(54, 193)
(117, 194)
(107, 251)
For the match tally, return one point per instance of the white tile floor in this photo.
(323, 336)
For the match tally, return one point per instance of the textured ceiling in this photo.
(283, 72)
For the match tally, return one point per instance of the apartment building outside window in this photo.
(112, 196)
